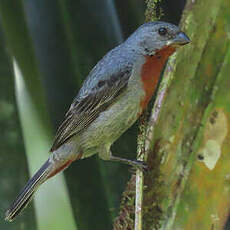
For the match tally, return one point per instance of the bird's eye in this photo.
(162, 31)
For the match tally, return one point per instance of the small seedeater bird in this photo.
(113, 96)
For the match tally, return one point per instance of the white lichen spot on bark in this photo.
(215, 131)
(211, 153)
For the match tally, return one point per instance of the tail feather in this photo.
(28, 191)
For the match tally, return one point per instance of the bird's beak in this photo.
(180, 40)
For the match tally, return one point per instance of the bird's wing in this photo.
(85, 110)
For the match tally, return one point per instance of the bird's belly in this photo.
(110, 124)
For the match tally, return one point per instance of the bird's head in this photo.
(154, 36)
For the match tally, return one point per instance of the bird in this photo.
(113, 96)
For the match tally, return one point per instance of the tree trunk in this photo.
(187, 141)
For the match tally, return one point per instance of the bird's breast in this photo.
(150, 73)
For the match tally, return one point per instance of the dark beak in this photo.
(180, 39)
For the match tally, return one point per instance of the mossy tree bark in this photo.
(187, 141)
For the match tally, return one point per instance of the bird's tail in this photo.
(28, 191)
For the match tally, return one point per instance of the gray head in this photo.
(153, 36)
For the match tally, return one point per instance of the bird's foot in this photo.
(135, 163)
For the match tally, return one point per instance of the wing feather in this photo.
(84, 111)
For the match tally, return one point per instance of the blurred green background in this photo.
(47, 49)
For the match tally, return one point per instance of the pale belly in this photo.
(112, 123)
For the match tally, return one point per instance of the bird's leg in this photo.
(107, 155)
